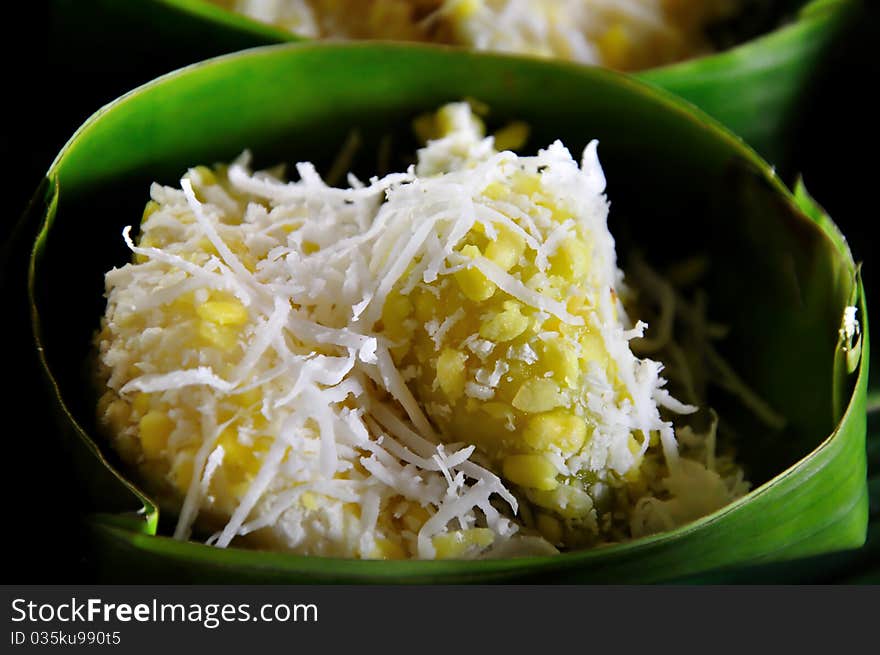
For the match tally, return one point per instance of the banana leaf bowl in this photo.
(771, 63)
(780, 277)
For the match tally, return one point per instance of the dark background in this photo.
(54, 81)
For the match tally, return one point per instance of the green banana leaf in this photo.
(680, 184)
(755, 88)
(758, 89)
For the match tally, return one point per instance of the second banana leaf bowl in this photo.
(780, 277)
(757, 88)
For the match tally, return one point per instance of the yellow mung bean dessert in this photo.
(620, 34)
(436, 363)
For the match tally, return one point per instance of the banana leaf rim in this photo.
(146, 520)
(811, 10)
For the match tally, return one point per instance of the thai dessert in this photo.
(620, 34)
(436, 363)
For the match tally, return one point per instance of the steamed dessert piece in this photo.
(517, 341)
(432, 364)
(621, 34)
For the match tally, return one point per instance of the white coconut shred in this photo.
(246, 370)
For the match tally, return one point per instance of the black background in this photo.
(48, 91)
